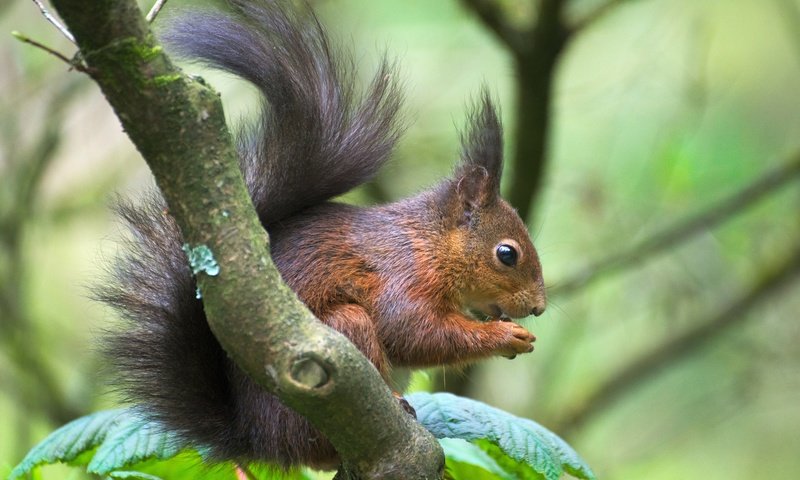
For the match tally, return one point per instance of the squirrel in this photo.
(430, 280)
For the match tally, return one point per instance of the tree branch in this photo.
(495, 18)
(536, 52)
(177, 123)
(536, 71)
(680, 347)
(705, 220)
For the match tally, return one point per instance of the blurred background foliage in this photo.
(665, 205)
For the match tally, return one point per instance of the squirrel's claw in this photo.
(406, 406)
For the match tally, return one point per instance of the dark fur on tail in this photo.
(316, 139)
(168, 359)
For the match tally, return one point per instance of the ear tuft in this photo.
(478, 174)
(482, 150)
(475, 183)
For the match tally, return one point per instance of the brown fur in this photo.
(412, 269)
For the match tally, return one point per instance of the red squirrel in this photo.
(399, 280)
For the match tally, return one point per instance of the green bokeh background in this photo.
(660, 108)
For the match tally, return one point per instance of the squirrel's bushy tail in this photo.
(317, 138)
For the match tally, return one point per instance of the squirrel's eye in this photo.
(506, 254)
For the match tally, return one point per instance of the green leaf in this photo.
(136, 475)
(525, 441)
(125, 444)
(112, 441)
(70, 441)
(186, 465)
(264, 471)
(134, 438)
(104, 441)
(514, 468)
(468, 462)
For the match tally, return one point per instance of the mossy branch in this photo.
(177, 123)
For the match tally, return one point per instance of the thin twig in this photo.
(56, 23)
(151, 15)
(703, 221)
(681, 346)
(71, 62)
(24, 38)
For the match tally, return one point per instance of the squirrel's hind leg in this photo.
(354, 322)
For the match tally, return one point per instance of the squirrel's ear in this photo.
(474, 188)
(477, 177)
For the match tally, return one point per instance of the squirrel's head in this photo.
(503, 274)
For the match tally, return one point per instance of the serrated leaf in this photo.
(133, 439)
(69, 441)
(121, 438)
(449, 416)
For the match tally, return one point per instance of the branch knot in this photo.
(310, 372)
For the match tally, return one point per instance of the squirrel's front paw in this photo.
(517, 340)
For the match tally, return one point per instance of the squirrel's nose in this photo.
(537, 310)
